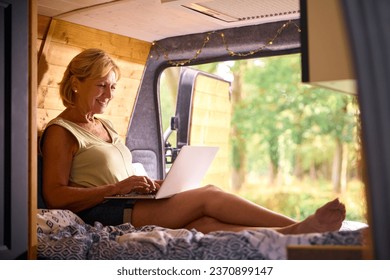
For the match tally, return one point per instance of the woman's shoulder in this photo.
(65, 125)
(53, 125)
(59, 121)
(57, 131)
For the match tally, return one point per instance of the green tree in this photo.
(270, 89)
(285, 114)
(281, 126)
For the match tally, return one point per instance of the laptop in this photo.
(186, 173)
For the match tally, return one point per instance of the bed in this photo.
(63, 235)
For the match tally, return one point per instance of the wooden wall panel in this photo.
(60, 41)
(70, 34)
(43, 24)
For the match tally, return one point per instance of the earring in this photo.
(75, 90)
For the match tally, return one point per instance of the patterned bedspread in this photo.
(63, 235)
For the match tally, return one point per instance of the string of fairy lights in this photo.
(162, 51)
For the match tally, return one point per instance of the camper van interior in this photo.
(343, 46)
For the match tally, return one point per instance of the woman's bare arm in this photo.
(59, 147)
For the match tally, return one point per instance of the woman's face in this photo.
(93, 95)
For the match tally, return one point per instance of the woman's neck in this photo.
(75, 115)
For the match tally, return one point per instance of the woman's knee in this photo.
(211, 189)
(210, 196)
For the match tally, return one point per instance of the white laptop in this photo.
(186, 172)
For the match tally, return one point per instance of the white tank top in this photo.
(97, 162)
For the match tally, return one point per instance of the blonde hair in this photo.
(89, 64)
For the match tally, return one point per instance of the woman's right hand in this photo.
(137, 184)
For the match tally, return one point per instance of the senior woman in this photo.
(85, 161)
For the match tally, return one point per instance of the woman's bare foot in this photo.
(329, 217)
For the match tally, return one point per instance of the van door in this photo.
(202, 118)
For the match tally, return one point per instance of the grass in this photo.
(300, 199)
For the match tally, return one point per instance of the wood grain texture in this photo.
(60, 41)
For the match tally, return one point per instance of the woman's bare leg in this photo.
(210, 201)
(327, 218)
(207, 224)
(224, 211)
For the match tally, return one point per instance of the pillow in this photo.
(139, 169)
(52, 220)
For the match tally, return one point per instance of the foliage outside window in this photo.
(291, 143)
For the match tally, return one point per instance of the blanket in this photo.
(63, 235)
